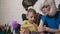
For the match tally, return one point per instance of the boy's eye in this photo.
(33, 17)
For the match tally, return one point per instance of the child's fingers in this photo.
(40, 29)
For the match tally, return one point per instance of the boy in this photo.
(29, 25)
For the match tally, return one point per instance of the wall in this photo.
(10, 10)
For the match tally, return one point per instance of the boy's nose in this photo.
(33, 18)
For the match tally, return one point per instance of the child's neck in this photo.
(31, 22)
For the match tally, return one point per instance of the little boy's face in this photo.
(31, 17)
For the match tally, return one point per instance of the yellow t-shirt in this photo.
(29, 28)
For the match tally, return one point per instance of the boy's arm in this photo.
(29, 25)
(26, 25)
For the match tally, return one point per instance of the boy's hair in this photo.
(31, 10)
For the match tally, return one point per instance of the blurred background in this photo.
(12, 10)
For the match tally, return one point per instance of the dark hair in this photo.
(27, 3)
(31, 10)
(59, 7)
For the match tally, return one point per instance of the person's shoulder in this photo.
(43, 16)
(25, 22)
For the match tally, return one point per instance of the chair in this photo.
(17, 30)
(59, 7)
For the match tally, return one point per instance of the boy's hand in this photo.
(40, 29)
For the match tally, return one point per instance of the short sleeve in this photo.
(43, 18)
(25, 22)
